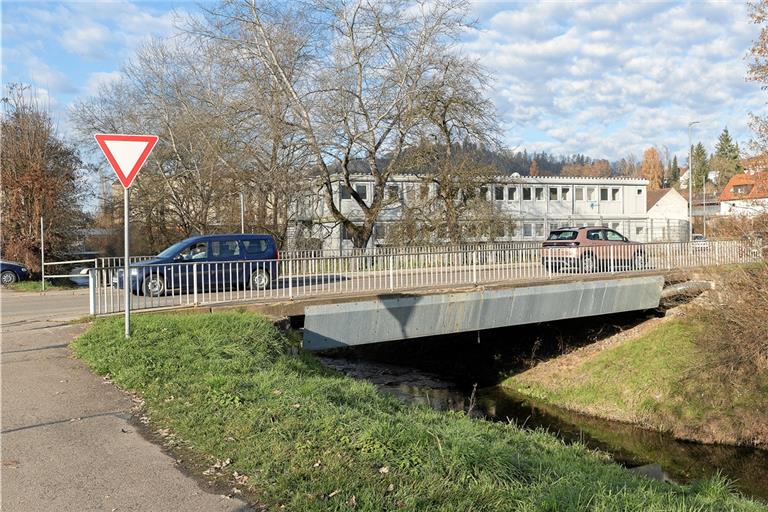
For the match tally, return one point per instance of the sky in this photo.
(602, 79)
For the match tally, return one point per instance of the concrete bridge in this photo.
(354, 300)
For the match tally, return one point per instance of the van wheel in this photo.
(588, 263)
(260, 280)
(7, 277)
(154, 286)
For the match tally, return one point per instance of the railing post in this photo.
(290, 279)
(194, 284)
(612, 255)
(391, 273)
(474, 268)
(92, 292)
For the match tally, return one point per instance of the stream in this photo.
(655, 454)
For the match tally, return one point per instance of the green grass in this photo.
(661, 379)
(36, 286)
(310, 439)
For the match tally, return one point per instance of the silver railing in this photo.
(197, 283)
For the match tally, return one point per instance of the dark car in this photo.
(214, 261)
(10, 272)
(591, 249)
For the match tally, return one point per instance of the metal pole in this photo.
(126, 266)
(42, 252)
(690, 181)
(704, 206)
(242, 214)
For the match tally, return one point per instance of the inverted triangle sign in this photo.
(126, 153)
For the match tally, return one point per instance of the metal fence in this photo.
(190, 283)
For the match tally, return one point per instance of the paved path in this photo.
(68, 443)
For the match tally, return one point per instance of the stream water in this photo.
(429, 380)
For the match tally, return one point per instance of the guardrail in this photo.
(191, 283)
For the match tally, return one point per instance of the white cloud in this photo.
(87, 40)
(96, 81)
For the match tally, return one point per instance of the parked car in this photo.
(215, 261)
(11, 272)
(699, 242)
(591, 249)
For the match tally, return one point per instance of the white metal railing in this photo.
(190, 283)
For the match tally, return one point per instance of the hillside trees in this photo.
(357, 77)
(41, 176)
(652, 169)
(725, 161)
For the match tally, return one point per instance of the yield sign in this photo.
(126, 153)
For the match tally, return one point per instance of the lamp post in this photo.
(690, 181)
(242, 214)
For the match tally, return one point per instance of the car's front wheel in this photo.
(588, 263)
(8, 277)
(154, 286)
(260, 279)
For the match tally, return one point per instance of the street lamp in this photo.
(690, 181)
(242, 214)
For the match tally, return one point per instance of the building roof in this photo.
(756, 186)
(757, 163)
(654, 196)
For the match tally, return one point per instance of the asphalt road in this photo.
(69, 439)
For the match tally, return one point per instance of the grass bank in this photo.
(664, 378)
(301, 436)
(36, 286)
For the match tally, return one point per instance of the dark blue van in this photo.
(215, 261)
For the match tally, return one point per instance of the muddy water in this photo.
(649, 452)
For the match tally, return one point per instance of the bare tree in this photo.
(355, 74)
(41, 176)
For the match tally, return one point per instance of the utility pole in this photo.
(690, 181)
(242, 214)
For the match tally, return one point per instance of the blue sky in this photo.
(603, 79)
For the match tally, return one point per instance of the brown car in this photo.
(591, 249)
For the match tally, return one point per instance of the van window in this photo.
(255, 247)
(225, 249)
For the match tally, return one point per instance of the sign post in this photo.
(126, 154)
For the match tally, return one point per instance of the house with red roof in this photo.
(745, 194)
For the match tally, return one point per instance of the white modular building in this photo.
(530, 206)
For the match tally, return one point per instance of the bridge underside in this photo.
(406, 317)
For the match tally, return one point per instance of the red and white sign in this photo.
(126, 153)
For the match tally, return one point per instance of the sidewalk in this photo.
(67, 440)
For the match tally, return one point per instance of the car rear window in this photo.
(563, 235)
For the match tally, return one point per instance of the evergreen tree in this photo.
(699, 168)
(673, 176)
(726, 158)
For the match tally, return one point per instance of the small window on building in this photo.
(591, 194)
(512, 230)
(484, 193)
(615, 194)
(639, 191)
(540, 229)
(362, 191)
(639, 230)
(603, 194)
(511, 193)
(345, 234)
(526, 193)
(553, 193)
(539, 193)
(498, 193)
(564, 192)
(527, 229)
(393, 191)
(579, 193)
(345, 192)
(615, 225)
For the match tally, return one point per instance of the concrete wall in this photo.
(407, 317)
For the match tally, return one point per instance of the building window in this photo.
(564, 193)
(539, 193)
(362, 191)
(498, 193)
(526, 193)
(345, 234)
(639, 191)
(527, 229)
(512, 230)
(345, 192)
(742, 189)
(614, 194)
(553, 193)
(603, 194)
(540, 229)
(511, 193)
(393, 191)
(484, 193)
(423, 191)
(615, 225)
(639, 230)
(591, 194)
(579, 193)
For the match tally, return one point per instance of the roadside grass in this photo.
(36, 286)
(662, 379)
(308, 438)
